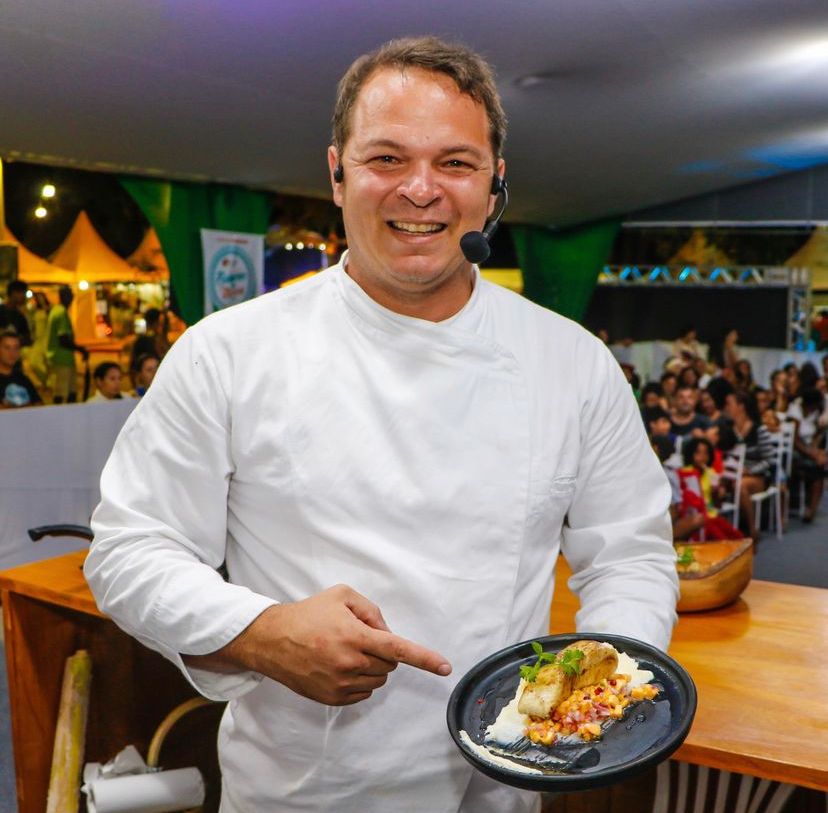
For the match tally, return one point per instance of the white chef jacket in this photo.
(312, 437)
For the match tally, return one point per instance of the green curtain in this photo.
(560, 268)
(178, 212)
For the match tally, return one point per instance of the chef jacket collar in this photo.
(467, 319)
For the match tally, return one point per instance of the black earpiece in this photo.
(475, 245)
(339, 173)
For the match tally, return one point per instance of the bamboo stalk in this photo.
(70, 735)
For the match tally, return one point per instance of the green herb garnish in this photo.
(686, 557)
(569, 661)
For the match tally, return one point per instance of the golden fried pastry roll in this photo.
(551, 687)
(599, 661)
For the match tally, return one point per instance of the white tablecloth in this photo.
(50, 466)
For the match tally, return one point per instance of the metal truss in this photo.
(796, 280)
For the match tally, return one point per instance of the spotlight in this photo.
(40, 212)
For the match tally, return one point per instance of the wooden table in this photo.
(748, 660)
(761, 671)
(48, 614)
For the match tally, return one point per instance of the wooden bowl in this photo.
(720, 573)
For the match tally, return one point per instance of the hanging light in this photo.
(48, 191)
(322, 247)
(300, 246)
(288, 246)
(40, 212)
(83, 285)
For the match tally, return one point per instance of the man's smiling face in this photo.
(418, 168)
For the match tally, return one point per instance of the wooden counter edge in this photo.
(725, 760)
(58, 581)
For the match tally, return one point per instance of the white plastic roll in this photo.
(147, 793)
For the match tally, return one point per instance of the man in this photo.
(13, 311)
(16, 388)
(684, 420)
(61, 349)
(399, 428)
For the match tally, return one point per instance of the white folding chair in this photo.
(783, 452)
(732, 471)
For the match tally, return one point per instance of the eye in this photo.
(385, 160)
(458, 164)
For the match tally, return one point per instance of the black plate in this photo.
(648, 733)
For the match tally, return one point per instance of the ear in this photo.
(333, 163)
(501, 171)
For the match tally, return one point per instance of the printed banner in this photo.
(233, 268)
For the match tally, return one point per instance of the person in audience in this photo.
(748, 429)
(792, 375)
(684, 420)
(651, 395)
(687, 345)
(633, 378)
(763, 399)
(725, 352)
(61, 349)
(810, 462)
(808, 377)
(825, 367)
(684, 526)
(709, 408)
(145, 368)
(702, 491)
(779, 392)
(688, 377)
(108, 378)
(16, 388)
(744, 376)
(13, 311)
(154, 342)
(35, 355)
(669, 382)
(657, 421)
(702, 369)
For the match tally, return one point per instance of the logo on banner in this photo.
(231, 277)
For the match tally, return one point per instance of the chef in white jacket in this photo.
(389, 458)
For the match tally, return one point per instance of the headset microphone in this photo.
(475, 244)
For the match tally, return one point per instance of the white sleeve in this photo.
(161, 526)
(618, 536)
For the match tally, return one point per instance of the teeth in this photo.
(417, 228)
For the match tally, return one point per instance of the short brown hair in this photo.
(470, 72)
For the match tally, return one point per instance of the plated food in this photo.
(545, 715)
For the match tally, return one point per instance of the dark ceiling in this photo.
(614, 105)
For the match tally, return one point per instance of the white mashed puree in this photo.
(510, 724)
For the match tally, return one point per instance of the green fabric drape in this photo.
(560, 268)
(178, 212)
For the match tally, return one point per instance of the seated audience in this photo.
(656, 421)
(108, 378)
(688, 524)
(688, 377)
(808, 377)
(701, 490)
(810, 462)
(687, 346)
(779, 392)
(16, 388)
(684, 420)
(145, 368)
(651, 395)
(760, 452)
(743, 374)
(792, 375)
(669, 382)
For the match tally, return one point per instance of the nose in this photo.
(420, 186)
